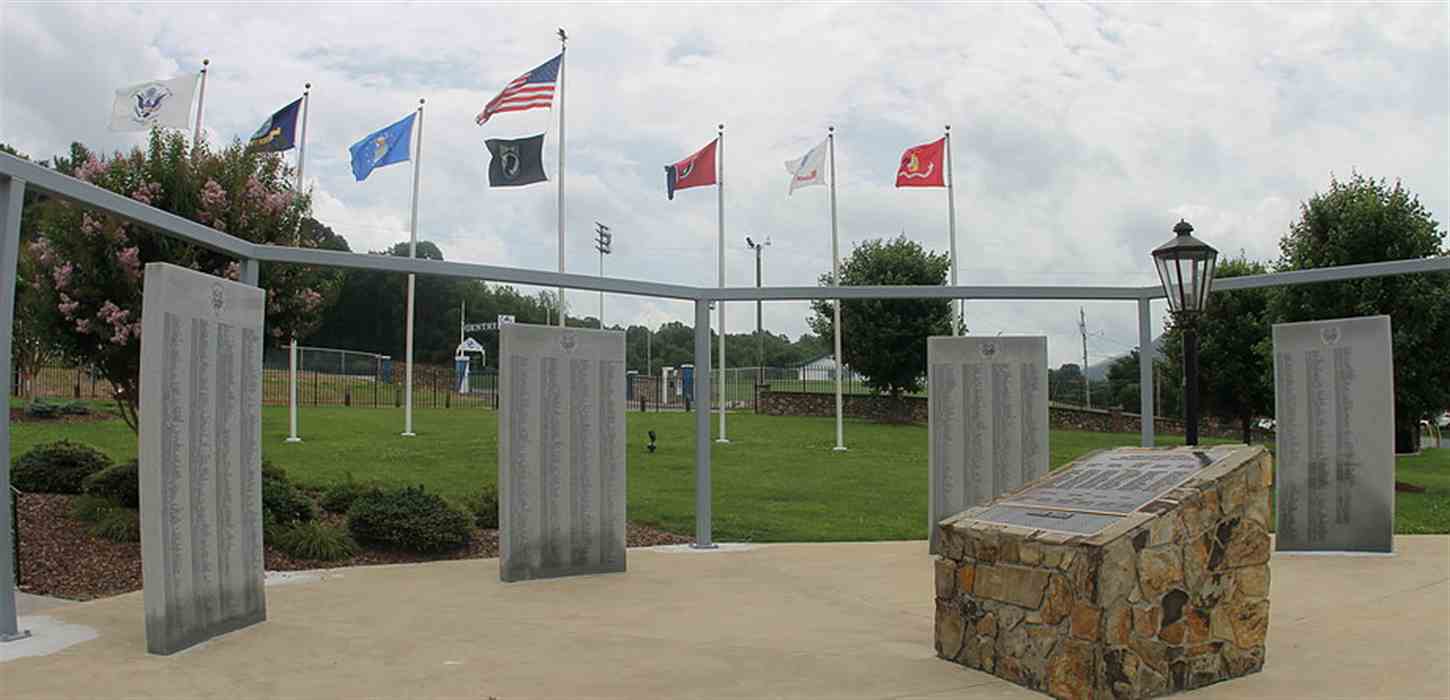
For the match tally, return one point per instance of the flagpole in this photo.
(302, 143)
(720, 192)
(200, 104)
(836, 281)
(952, 227)
(563, 48)
(412, 253)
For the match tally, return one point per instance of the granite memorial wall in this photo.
(1335, 412)
(200, 456)
(561, 452)
(987, 420)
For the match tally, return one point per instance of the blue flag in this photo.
(279, 132)
(392, 144)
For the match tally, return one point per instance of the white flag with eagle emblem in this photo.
(809, 169)
(165, 103)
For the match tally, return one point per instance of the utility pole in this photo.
(759, 325)
(602, 240)
(1087, 383)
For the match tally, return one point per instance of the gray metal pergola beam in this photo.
(16, 175)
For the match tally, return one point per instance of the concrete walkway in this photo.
(804, 621)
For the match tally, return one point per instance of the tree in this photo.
(885, 339)
(1122, 385)
(95, 263)
(1235, 375)
(1364, 221)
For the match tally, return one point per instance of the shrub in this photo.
(339, 497)
(118, 525)
(87, 508)
(75, 408)
(40, 408)
(409, 518)
(120, 483)
(485, 507)
(57, 467)
(315, 541)
(284, 501)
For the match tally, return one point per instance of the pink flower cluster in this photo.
(116, 317)
(130, 260)
(42, 251)
(67, 306)
(61, 275)
(233, 271)
(147, 193)
(91, 169)
(212, 195)
(90, 226)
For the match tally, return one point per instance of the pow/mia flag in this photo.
(516, 161)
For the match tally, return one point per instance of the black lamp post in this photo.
(1185, 267)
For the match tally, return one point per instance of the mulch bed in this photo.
(59, 558)
(18, 415)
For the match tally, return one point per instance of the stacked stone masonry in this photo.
(1173, 597)
(913, 409)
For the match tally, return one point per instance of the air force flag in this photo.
(392, 144)
(809, 169)
(516, 162)
(165, 103)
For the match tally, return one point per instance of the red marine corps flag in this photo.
(697, 170)
(921, 166)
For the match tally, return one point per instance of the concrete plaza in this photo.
(785, 620)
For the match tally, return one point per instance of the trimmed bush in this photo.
(315, 541)
(485, 507)
(409, 518)
(40, 408)
(88, 509)
(57, 467)
(120, 483)
(118, 525)
(75, 408)
(339, 497)
(283, 501)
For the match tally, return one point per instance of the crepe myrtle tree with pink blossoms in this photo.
(91, 266)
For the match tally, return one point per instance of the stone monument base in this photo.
(1171, 597)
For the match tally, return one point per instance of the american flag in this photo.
(529, 91)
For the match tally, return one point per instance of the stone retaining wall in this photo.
(914, 409)
(1170, 599)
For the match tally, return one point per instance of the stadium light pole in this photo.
(759, 326)
(603, 241)
(1185, 268)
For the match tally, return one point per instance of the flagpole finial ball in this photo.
(420, 102)
(307, 86)
(206, 61)
(722, 127)
(831, 129)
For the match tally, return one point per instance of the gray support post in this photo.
(702, 425)
(1145, 368)
(12, 195)
(251, 271)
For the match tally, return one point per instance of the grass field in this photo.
(777, 481)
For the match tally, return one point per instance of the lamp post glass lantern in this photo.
(1185, 268)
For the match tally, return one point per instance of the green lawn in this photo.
(777, 481)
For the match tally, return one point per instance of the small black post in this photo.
(1190, 379)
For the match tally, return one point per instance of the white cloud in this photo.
(1082, 133)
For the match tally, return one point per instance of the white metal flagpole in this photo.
(302, 142)
(412, 253)
(952, 228)
(720, 192)
(292, 393)
(200, 104)
(836, 280)
(563, 48)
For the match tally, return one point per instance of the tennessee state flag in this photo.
(697, 170)
(921, 166)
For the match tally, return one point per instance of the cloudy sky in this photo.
(1082, 133)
